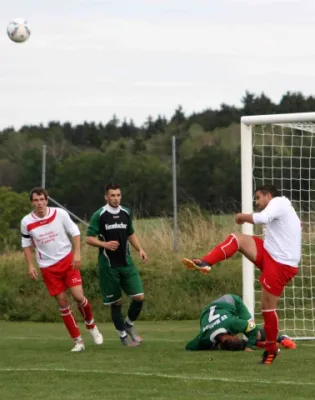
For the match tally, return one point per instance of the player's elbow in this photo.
(75, 234)
(261, 218)
(89, 240)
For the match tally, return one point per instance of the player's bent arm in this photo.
(242, 218)
(134, 241)
(271, 212)
(95, 242)
(249, 328)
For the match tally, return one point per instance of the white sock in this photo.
(122, 333)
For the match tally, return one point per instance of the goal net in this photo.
(280, 149)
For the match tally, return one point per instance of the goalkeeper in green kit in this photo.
(222, 320)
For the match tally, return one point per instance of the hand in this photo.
(32, 271)
(143, 256)
(76, 263)
(248, 349)
(239, 219)
(112, 245)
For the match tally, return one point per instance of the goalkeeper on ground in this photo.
(222, 320)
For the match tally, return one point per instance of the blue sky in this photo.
(89, 59)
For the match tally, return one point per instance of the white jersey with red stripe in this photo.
(49, 235)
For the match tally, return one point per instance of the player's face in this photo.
(262, 200)
(113, 197)
(228, 338)
(40, 204)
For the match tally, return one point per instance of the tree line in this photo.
(82, 158)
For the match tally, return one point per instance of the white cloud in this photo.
(89, 60)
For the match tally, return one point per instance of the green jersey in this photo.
(109, 224)
(228, 314)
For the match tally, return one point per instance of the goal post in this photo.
(279, 149)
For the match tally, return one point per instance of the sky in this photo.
(87, 60)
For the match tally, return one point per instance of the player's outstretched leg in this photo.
(196, 264)
(221, 252)
(86, 311)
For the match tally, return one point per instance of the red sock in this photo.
(86, 311)
(271, 329)
(222, 251)
(70, 323)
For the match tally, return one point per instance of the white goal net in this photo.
(282, 152)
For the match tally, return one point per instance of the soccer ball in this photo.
(18, 30)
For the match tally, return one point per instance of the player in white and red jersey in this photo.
(46, 229)
(277, 256)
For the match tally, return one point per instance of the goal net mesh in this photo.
(284, 155)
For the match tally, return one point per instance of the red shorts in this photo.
(59, 277)
(274, 275)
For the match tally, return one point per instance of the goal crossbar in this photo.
(278, 118)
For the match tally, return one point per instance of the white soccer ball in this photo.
(18, 30)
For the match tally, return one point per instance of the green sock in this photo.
(117, 317)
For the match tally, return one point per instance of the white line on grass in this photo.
(158, 375)
(4, 338)
(45, 338)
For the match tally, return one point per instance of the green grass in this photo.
(35, 363)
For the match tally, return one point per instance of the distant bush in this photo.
(171, 292)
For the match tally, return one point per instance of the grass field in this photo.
(36, 363)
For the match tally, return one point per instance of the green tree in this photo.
(211, 178)
(146, 184)
(80, 180)
(13, 207)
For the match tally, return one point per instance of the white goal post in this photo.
(280, 149)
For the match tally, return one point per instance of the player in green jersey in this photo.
(111, 230)
(222, 320)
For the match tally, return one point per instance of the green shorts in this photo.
(115, 280)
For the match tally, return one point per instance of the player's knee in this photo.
(63, 304)
(138, 297)
(240, 238)
(62, 300)
(116, 304)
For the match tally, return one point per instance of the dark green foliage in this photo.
(13, 207)
(170, 291)
(82, 159)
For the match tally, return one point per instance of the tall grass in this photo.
(171, 291)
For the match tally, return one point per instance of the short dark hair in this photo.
(232, 344)
(265, 189)
(111, 186)
(38, 190)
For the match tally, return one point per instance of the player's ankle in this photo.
(271, 347)
(129, 322)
